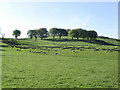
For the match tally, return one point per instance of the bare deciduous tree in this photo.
(2, 33)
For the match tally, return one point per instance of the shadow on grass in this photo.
(62, 40)
(22, 44)
(23, 39)
(2, 50)
(3, 46)
(99, 42)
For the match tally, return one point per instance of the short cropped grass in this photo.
(66, 69)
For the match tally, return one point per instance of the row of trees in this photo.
(74, 33)
(82, 33)
(41, 32)
(58, 32)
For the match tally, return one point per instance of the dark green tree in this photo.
(16, 33)
(32, 33)
(74, 33)
(68, 30)
(62, 32)
(83, 33)
(42, 33)
(53, 32)
(92, 35)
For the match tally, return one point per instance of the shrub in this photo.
(10, 41)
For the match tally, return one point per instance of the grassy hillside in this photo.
(67, 41)
(59, 67)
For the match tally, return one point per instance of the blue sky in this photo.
(99, 16)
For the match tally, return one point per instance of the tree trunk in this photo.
(53, 36)
(88, 38)
(16, 37)
(77, 38)
(30, 37)
(35, 37)
(59, 37)
(83, 38)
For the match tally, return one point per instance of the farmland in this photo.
(88, 65)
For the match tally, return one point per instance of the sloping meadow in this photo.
(82, 65)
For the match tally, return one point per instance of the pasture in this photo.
(82, 65)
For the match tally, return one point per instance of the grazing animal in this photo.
(103, 49)
(73, 50)
(77, 48)
(56, 53)
(18, 50)
(56, 50)
(38, 52)
(115, 47)
(48, 50)
(30, 51)
(110, 51)
(44, 52)
(82, 49)
(95, 49)
(12, 46)
(34, 52)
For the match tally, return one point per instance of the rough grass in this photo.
(79, 69)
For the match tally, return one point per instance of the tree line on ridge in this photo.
(74, 33)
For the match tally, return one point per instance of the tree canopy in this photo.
(32, 33)
(58, 32)
(74, 33)
(42, 33)
(16, 33)
(53, 32)
(82, 33)
(62, 32)
(92, 35)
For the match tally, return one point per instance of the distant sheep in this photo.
(115, 47)
(103, 49)
(30, 51)
(73, 50)
(95, 49)
(18, 50)
(12, 46)
(56, 50)
(82, 49)
(44, 52)
(56, 53)
(77, 48)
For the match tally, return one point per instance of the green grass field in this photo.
(66, 69)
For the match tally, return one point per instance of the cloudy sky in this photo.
(99, 16)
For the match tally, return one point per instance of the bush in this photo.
(10, 41)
